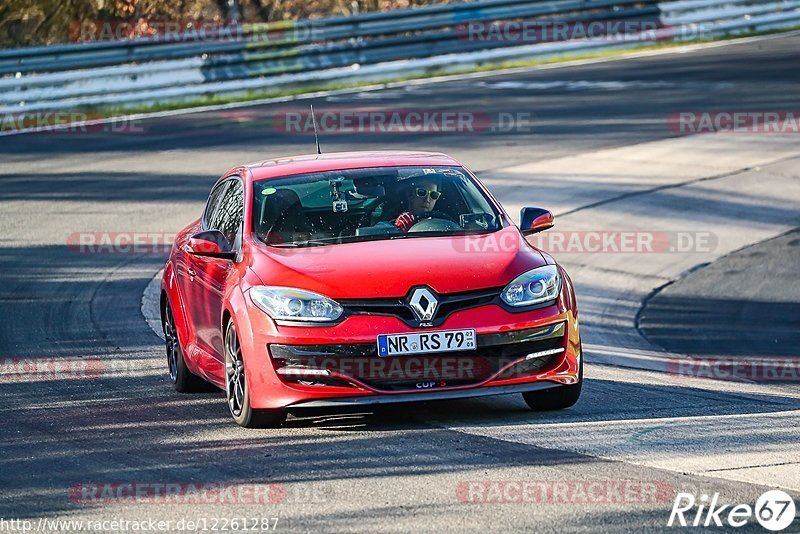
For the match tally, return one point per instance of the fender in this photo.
(253, 327)
(236, 308)
(568, 291)
(169, 285)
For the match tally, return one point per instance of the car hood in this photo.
(389, 268)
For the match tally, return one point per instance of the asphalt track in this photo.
(748, 303)
(599, 153)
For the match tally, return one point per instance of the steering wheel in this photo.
(435, 214)
(435, 221)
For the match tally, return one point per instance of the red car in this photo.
(363, 278)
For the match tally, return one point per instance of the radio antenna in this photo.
(316, 135)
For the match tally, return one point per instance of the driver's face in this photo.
(419, 204)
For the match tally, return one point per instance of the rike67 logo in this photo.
(774, 510)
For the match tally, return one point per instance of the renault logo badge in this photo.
(423, 303)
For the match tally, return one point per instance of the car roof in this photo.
(275, 168)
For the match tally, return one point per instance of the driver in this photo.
(421, 196)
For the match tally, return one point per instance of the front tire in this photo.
(182, 378)
(237, 391)
(557, 398)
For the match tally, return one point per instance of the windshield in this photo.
(353, 205)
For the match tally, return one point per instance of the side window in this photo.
(228, 214)
(213, 200)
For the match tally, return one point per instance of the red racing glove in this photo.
(405, 221)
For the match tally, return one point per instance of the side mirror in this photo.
(211, 243)
(533, 220)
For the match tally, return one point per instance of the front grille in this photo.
(361, 361)
(399, 307)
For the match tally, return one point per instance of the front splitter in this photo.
(372, 400)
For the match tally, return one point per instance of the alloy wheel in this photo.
(171, 339)
(234, 371)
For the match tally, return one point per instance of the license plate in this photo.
(426, 342)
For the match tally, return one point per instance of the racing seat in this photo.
(282, 219)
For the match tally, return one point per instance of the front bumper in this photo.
(269, 389)
(497, 356)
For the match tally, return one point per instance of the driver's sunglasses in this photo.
(422, 193)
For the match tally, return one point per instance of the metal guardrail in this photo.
(325, 35)
(256, 57)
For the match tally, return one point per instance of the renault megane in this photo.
(363, 278)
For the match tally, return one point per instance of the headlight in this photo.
(289, 304)
(534, 287)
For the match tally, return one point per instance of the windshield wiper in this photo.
(429, 233)
(299, 244)
(378, 237)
